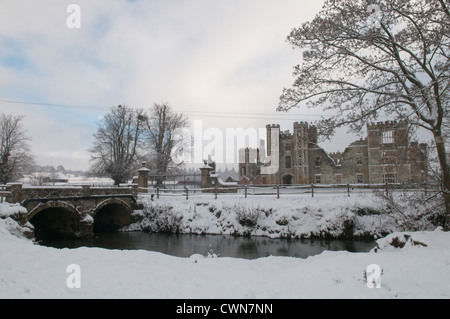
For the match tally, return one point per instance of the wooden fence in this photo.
(281, 190)
(271, 190)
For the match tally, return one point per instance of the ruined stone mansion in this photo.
(386, 155)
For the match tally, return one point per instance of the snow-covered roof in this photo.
(221, 182)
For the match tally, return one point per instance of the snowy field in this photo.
(417, 270)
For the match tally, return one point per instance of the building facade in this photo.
(385, 156)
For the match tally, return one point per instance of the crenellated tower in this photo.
(303, 135)
(388, 152)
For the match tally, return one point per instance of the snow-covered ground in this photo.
(417, 270)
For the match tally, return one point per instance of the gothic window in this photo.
(299, 158)
(390, 178)
(300, 140)
(317, 179)
(359, 178)
(359, 159)
(387, 137)
(338, 178)
(317, 161)
(287, 162)
(287, 146)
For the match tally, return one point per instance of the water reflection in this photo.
(223, 245)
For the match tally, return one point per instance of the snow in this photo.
(291, 216)
(7, 209)
(88, 219)
(221, 182)
(417, 270)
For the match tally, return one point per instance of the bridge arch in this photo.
(111, 214)
(55, 219)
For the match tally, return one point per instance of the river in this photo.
(222, 245)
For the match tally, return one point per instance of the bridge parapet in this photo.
(18, 193)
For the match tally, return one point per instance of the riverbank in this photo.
(364, 215)
(414, 265)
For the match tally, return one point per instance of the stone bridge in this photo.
(74, 212)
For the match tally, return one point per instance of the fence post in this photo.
(187, 193)
(157, 192)
(387, 190)
(348, 189)
(245, 191)
(312, 190)
(278, 191)
(215, 192)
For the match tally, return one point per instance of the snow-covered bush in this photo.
(413, 211)
(158, 218)
(402, 240)
(10, 214)
(247, 216)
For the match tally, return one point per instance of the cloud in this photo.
(199, 55)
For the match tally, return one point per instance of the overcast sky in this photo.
(198, 55)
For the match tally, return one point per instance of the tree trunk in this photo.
(443, 159)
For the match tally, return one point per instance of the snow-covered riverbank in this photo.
(417, 270)
(292, 216)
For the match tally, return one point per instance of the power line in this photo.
(194, 113)
(86, 107)
(218, 114)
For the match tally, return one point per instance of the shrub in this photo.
(247, 217)
(283, 221)
(163, 219)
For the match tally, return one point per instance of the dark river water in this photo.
(222, 245)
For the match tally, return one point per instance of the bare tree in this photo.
(117, 143)
(362, 60)
(15, 152)
(163, 134)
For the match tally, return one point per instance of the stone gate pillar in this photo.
(143, 180)
(206, 178)
(16, 195)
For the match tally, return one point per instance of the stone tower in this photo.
(269, 129)
(388, 152)
(303, 135)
